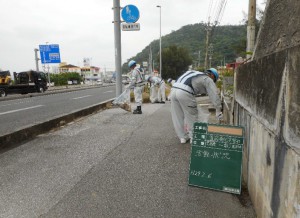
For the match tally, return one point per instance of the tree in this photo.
(175, 60)
(63, 78)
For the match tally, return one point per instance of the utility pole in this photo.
(117, 31)
(218, 10)
(47, 69)
(160, 60)
(36, 59)
(251, 28)
(211, 49)
(199, 59)
(208, 33)
(150, 62)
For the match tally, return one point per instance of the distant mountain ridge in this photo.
(229, 42)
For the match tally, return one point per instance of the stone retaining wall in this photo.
(267, 104)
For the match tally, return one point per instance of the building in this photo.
(69, 68)
(91, 73)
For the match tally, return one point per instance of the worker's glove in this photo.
(219, 116)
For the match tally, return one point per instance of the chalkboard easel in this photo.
(216, 157)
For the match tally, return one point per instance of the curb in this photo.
(13, 139)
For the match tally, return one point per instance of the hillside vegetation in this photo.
(229, 42)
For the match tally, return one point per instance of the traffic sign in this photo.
(49, 54)
(130, 26)
(130, 14)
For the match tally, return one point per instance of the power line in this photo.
(215, 11)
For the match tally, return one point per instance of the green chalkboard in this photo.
(216, 157)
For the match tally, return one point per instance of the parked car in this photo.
(99, 82)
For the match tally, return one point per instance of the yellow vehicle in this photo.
(5, 78)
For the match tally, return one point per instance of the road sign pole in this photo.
(36, 59)
(117, 31)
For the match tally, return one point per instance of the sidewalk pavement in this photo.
(110, 164)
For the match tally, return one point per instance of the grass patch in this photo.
(146, 94)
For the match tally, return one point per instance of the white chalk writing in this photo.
(213, 154)
(218, 141)
(201, 128)
(201, 174)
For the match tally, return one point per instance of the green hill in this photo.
(229, 42)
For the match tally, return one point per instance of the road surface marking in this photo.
(22, 109)
(108, 91)
(81, 97)
(6, 105)
(19, 102)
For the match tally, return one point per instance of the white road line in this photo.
(6, 105)
(108, 91)
(81, 97)
(22, 109)
(20, 102)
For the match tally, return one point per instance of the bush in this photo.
(145, 95)
(63, 78)
(228, 72)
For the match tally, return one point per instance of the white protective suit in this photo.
(160, 94)
(137, 85)
(183, 101)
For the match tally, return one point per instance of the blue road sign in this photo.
(50, 54)
(130, 14)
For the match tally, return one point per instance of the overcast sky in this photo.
(84, 29)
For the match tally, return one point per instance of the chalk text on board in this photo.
(201, 174)
(213, 154)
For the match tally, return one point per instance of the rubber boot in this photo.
(138, 110)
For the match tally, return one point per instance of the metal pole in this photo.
(36, 59)
(48, 69)
(160, 60)
(251, 28)
(117, 31)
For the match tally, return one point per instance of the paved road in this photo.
(110, 164)
(19, 113)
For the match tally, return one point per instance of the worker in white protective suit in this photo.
(137, 84)
(183, 102)
(157, 96)
(171, 82)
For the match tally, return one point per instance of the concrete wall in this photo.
(280, 27)
(267, 104)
